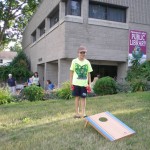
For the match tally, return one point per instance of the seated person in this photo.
(50, 85)
(30, 81)
(25, 84)
(94, 81)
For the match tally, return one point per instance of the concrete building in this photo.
(6, 57)
(59, 27)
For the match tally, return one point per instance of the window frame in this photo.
(41, 27)
(53, 15)
(1, 61)
(33, 36)
(107, 6)
(68, 7)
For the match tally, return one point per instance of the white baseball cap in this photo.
(10, 75)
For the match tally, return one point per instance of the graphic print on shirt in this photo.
(81, 71)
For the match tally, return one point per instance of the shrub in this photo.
(145, 70)
(5, 96)
(123, 87)
(148, 85)
(19, 67)
(104, 86)
(52, 95)
(139, 85)
(91, 94)
(138, 76)
(139, 71)
(33, 93)
(64, 92)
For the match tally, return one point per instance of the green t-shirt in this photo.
(81, 70)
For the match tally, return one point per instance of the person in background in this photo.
(11, 84)
(30, 81)
(25, 85)
(80, 79)
(50, 85)
(94, 81)
(35, 79)
(98, 76)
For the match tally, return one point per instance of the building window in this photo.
(33, 36)
(97, 11)
(1, 61)
(116, 14)
(73, 7)
(107, 12)
(54, 16)
(42, 28)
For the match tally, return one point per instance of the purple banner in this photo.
(137, 45)
(137, 38)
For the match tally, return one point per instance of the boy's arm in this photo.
(71, 77)
(89, 79)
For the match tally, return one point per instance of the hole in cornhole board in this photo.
(103, 119)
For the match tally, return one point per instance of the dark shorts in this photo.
(79, 91)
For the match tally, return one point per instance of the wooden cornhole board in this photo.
(109, 126)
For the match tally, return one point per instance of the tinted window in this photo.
(34, 36)
(97, 11)
(73, 7)
(54, 18)
(42, 28)
(116, 14)
(1, 61)
(107, 12)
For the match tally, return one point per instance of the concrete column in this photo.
(61, 10)
(63, 70)
(52, 72)
(59, 72)
(40, 69)
(45, 67)
(85, 10)
(122, 72)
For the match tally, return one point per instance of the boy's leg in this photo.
(76, 93)
(83, 95)
(83, 106)
(77, 105)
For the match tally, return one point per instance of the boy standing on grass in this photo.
(80, 79)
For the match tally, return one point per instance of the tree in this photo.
(16, 48)
(138, 76)
(19, 67)
(14, 16)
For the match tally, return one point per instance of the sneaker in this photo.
(84, 116)
(76, 116)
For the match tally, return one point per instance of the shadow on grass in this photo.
(71, 133)
(71, 122)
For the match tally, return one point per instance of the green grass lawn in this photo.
(49, 125)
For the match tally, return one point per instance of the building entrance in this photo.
(104, 70)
